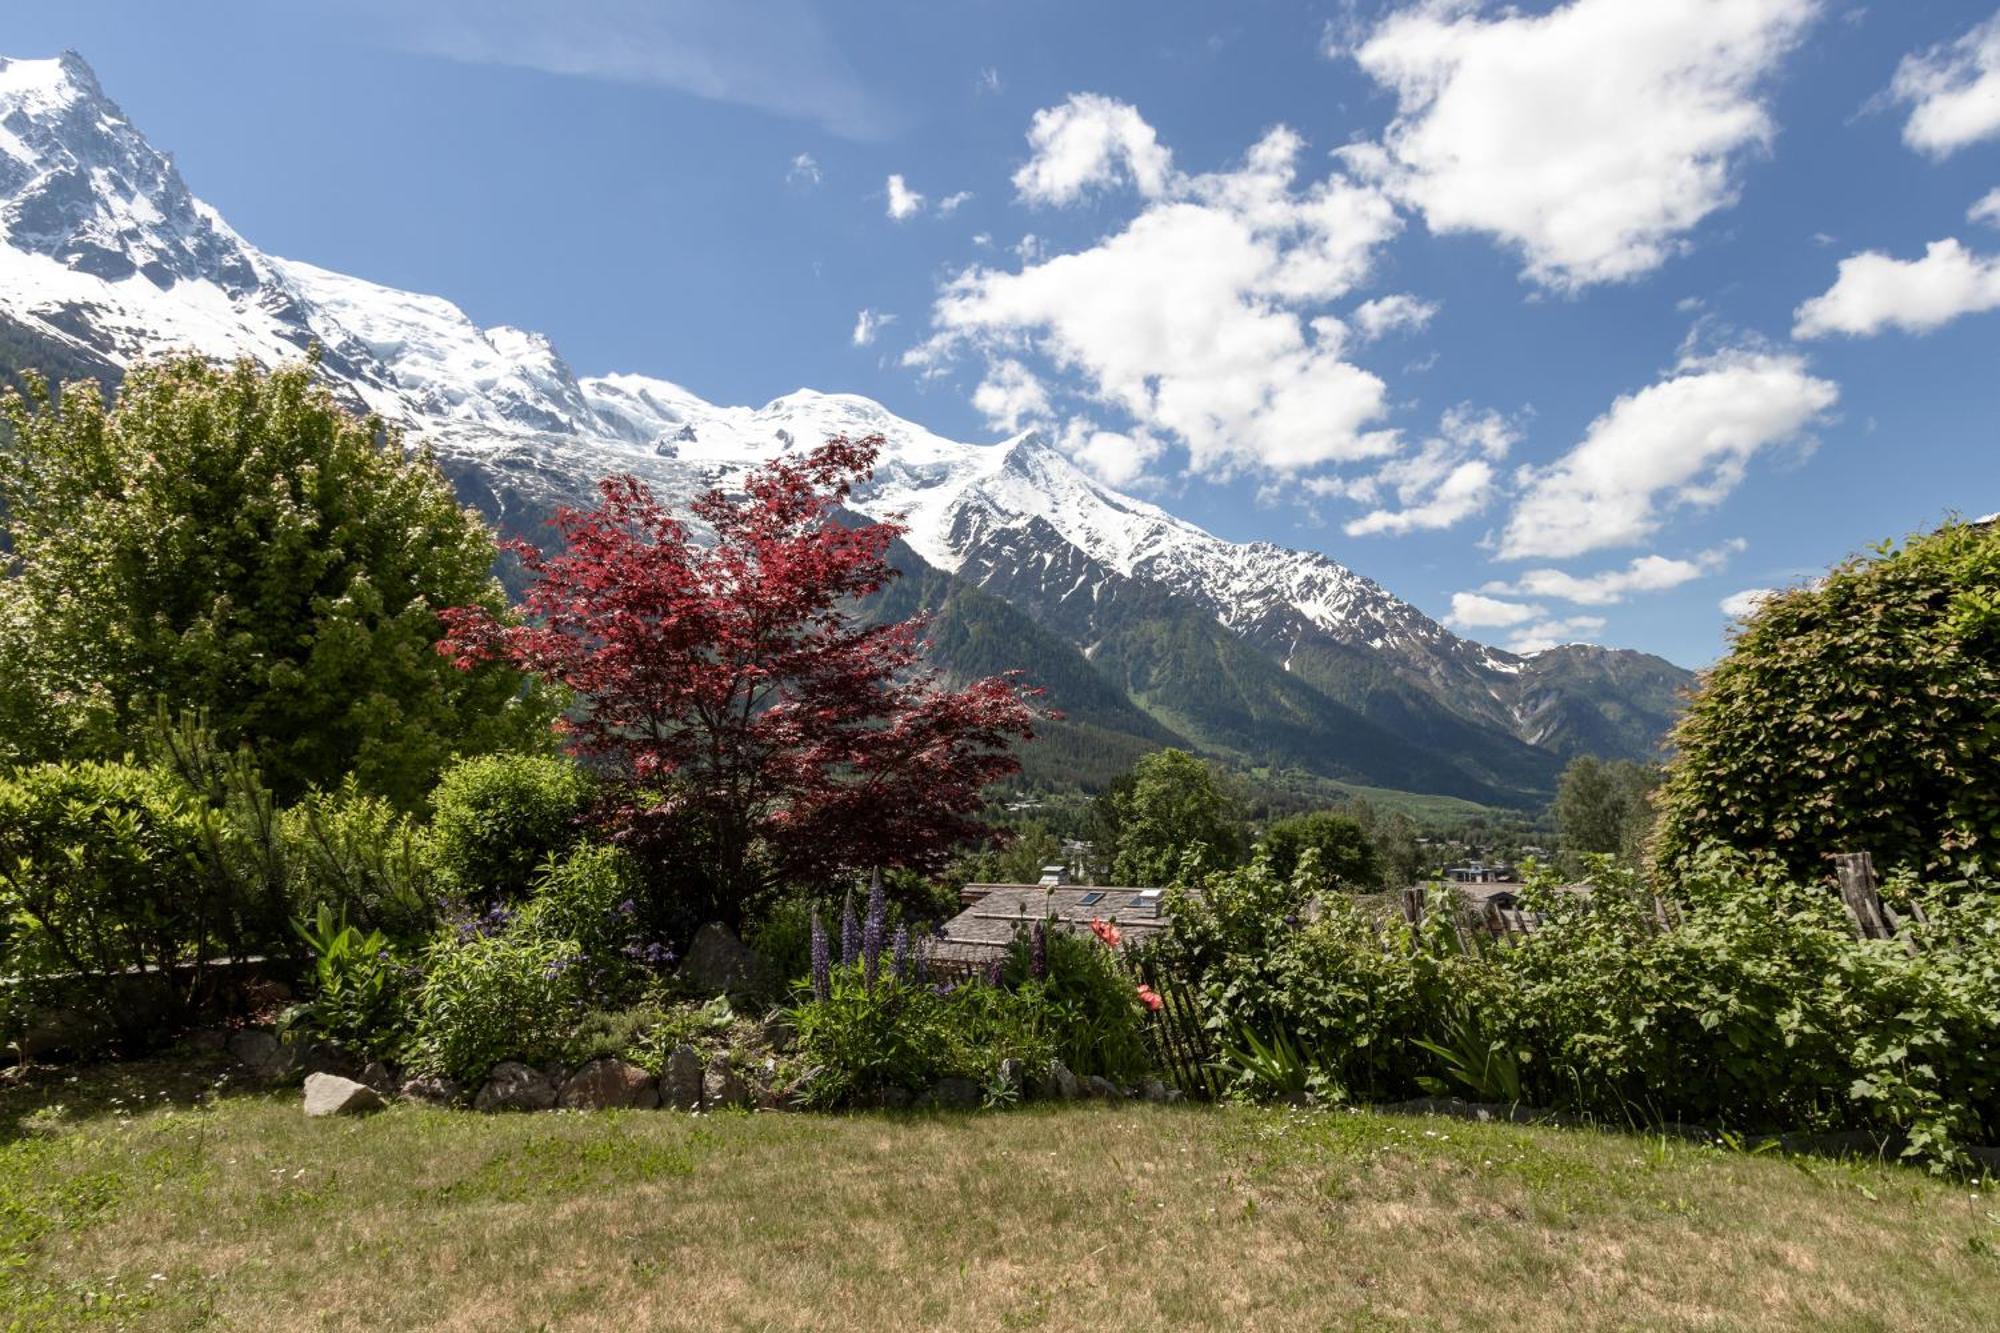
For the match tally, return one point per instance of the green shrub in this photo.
(494, 998)
(1087, 1002)
(1859, 714)
(863, 1040)
(100, 875)
(362, 859)
(1760, 1010)
(361, 991)
(496, 819)
(1346, 853)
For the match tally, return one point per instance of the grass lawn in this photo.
(124, 1204)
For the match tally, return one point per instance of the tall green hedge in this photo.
(1862, 713)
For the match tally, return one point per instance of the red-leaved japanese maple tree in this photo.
(764, 731)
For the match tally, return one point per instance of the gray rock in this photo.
(513, 1086)
(1152, 1090)
(680, 1084)
(330, 1094)
(432, 1089)
(261, 1052)
(1058, 1084)
(722, 1085)
(608, 1083)
(956, 1094)
(720, 964)
(377, 1076)
(208, 1041)
(1101, 1087)
(894, 1099)
(1014, 1075)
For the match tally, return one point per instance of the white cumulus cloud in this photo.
(951, 203)
(869, 323)
(1874, 291)
(1986, 208)
(1388, 314)
(1471, 610)
(804, 172)
(1119, 458)
(1740, 604)
(903, 201)
(1685, 440)
(1593, 137)
(1090, 142)
(1542, 635)
(1647, 573)
(1449, 478)
(1200, 320)
(1530, 628)
(1011, 397)
(1953, 92)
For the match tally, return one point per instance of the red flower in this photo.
(1150, 997)
(1107, 934)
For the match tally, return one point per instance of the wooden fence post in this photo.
(1860, 891)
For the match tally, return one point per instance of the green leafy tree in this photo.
(1346, 855)
(1862, 713)
(232, 541)
(1392, 834)
(1170, 806)
(1604, 809)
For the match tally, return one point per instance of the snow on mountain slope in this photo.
(107, 252)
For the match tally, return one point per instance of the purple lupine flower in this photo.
(872, 930)
(822, 962)
(899, 953)
(490, 922)
(944, 988)
(850, 933)
(922, 969)
(993, 973)
(1038, 952)
(654, 955)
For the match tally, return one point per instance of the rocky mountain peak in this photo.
(80, 184)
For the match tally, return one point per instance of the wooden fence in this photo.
(1854, 872)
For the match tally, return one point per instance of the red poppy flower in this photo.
(1106, 933)
(1150, 997)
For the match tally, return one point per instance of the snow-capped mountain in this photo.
(109, 258)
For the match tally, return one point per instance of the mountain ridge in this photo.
(1262, 653)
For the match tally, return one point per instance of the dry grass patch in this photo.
(242, 1214)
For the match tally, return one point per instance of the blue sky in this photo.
(1565, 321)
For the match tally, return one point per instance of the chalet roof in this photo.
(994, 912)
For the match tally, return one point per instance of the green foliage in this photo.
(497, 819)
(864, 1040)
(361, 858)
(1862, 713)
(646, 1034)
(360, 994)
(1089, 1002)
(585, 900)
(1604, 809)
(87, 851)
(494, 998)
(1171, 815)
(1760, 1010)
(1346, 855)
(233, 541)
